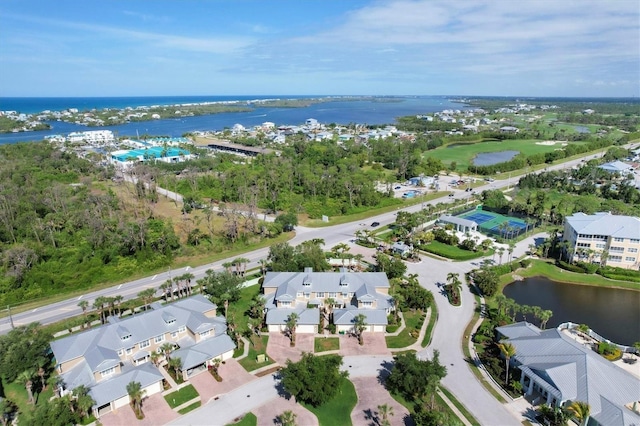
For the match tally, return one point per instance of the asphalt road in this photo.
(332, 235)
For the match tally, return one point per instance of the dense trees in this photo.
(283, 257)
(313, 380)
(416, 379)
(222, 287)
(26, 348)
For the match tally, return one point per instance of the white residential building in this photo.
(590, 236)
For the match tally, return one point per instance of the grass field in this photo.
(453, 252)
(259, 347)
(413, 321)
(249, 419)
(337, 411)
(322, 344)
(179, 397)
(462, 153)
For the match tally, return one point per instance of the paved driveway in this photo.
(280, 350)
(374, 344)
(233, 376)
(372, 393)
(268, 413)
(155, 408)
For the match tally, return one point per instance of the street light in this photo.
(10, 317)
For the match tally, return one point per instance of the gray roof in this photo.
(116, 387)
(347, 316)
(102, 343)
(306, 316)
(204, 351)
(603, 223)
(447, 218)
(573, 371)
(616, 166)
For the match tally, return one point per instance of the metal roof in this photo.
(607, 224)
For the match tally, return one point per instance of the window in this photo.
(635, 241)
(125, 337)
(159, 339)
(367, 303)
(616, 249)
(307, 295)
(129, 351)
(615, 258)
(632, 250)
(584, 244)
(205, 333)
(108, 372)
(600, 245)
(299, 294)
(345, 295)
(320, 295)
(182, 329)
(285, 303)
(618, 240)
(120, 352)
(629, 259)
(144, 344)
(174, 334)
(333, 295)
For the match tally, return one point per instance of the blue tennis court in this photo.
(478, 217)
(512, 224)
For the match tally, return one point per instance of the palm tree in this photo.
(507, 350)
(166, 350)
(241, 261)
(263, 266)
(510, 251)
(164, 287)
(385, 411)
(147, 295)
(98, 305)
(227, 266)
(359, 325)
(134, 389)
(288, 418)
(292, 323)
(545, 316)
(175, 364)
(340, 250)
(187, 277)
(83, 304)
(118, 301)
(501, 253)
(84, 401)
(580, 411)
(26, 378)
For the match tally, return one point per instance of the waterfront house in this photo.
(603, 238)
(105, 359)
(306, 292)
(557, 370)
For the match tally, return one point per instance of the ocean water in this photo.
(338, 111)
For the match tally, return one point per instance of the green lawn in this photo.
(426, 340)
(258, 347)
(191, 407)
(463, 152)
(542, 268)
(237, 309)
(323, 344)
(17, 393)
(453, 252)
(460, 407)
(181, 396)
(337, 412)
(249, 419)
(413, 321)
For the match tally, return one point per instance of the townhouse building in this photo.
(345, 294)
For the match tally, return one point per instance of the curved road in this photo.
(447, 335)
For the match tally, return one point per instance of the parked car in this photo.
(451, 195)
(398, 187)
(374, 224)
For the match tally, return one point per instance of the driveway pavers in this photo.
(267, 414)
(155, 408)
(233, 376)
(372, 393)
(280, 349)
(374, 344)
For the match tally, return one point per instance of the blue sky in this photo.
(297, 47)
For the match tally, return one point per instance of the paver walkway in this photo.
(155, 408)
(371, 394)
(233, 376)
(280, 350)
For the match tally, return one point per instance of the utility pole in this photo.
(10, 317)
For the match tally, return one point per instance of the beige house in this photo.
(305, 293)
(604, 238)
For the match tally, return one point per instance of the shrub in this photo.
(569, 267)
(524, 263)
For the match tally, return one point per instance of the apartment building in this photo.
(604, 238)
(107, 358)
(305, 293)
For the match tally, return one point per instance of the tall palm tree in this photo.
(166, 350)
(134, 389)
(501, 253)
(118, 301)
(147, 296)
(507, 350)
(26, 378)
(359, 325)
(98, 305)
(188, 277)
(580, 411)
(292, 323)
(83, 304)
(175, 364)
(545, 316)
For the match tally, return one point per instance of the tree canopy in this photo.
(23, 348)
(314, 379)
(414, 378)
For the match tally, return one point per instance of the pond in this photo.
(491, 158)
(582, 129)
(612, 313)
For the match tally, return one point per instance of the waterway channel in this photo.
(611, 312)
